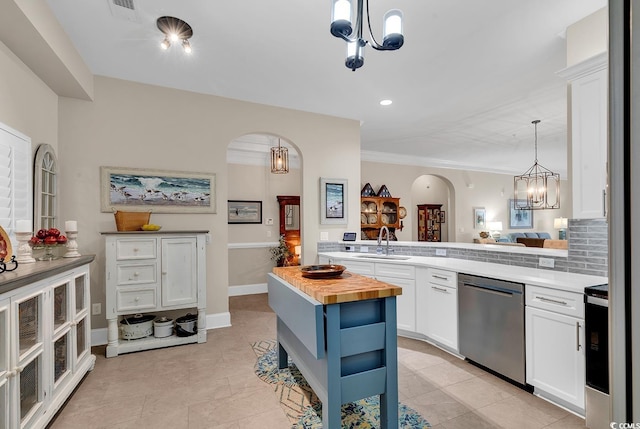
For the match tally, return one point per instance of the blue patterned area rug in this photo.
(304, 409)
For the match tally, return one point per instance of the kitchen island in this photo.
(341, 334)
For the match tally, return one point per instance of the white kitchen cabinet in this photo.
(403, 276)
(588, 133)
(437, 306)
(45, 348)
(154, 273)
(554, 323)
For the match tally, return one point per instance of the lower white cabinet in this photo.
(157, 273)
(44, 346)
(405, 277)
(437, 306)
(555, 345)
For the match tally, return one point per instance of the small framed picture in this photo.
(518, 218)
(244, 211)
(442, 217)
(333, 201)
(479, 218)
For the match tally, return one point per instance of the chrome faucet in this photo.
(379, 249)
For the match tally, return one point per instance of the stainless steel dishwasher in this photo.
(491, 324)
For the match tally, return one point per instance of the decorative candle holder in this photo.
(25, 255)
(72, 245)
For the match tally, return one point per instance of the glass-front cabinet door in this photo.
(80, 316)
(62, 315)
(5, 376)
(28, 327)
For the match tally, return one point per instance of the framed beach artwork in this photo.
(333, 201)
(161, 191)
(240, 211)
(479, 218)
(518, 218)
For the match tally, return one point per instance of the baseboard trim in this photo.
(247, 289)
(214, 321)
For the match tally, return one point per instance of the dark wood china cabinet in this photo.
(290, 225)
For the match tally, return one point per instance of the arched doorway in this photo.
(250, 180)
(437, 190)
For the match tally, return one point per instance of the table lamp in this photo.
(494, 229)
(560, 223)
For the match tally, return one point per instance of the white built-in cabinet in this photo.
(588, 82)
(437, 306)
(154, 272)
(395, 274)
(44, 346)
(554, 323)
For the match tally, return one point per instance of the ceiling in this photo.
(465, 86)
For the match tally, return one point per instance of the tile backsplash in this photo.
(587, 254)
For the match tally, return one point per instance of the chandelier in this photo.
(279, 159)
(342, 27)
(538, 188)
(174, 30)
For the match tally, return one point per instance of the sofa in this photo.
(534, 239)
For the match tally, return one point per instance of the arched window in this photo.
(45, 188)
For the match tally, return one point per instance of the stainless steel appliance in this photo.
(596, 322)
(491, 324)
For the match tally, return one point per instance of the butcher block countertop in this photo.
(345, 288)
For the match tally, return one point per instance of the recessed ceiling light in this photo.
(385, 102)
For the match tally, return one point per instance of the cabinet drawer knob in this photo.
(135, 249)
(136, 274)
(137, 299)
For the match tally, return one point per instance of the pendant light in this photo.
(279, 159)
(342, 27)
(538, 188)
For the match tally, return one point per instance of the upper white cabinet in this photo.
(154, 272)
(588, 82)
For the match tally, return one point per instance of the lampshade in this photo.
(560, 223)
(298, 250)
(346, 26)
(494, 226)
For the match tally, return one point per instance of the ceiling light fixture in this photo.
(342, 27)
(538, 188)
(279, 159)
(174, 30)
(386, 102)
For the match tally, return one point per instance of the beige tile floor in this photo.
(213, 386)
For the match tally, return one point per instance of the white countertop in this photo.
(468, 246)
(531, 276)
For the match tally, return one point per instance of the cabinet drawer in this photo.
(443, 278)
(558, 301)
(135, 274)
(139, 248)
(135, 300)
(358, 267)
(395, 270)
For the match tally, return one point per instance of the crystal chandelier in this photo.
(538, 188)
(342, 27)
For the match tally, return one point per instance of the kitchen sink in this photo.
(395, 257)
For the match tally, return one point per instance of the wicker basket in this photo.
(131, 221)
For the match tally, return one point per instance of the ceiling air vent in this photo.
(124, 9)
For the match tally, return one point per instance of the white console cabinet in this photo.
(154, 272)
(45, 342)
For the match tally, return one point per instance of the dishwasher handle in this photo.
(493, 289)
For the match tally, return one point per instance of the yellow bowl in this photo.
(151, 227)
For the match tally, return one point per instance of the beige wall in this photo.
(136, 125)
(248, 266)
(26, 103)
(469, 189)
(588, 37)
